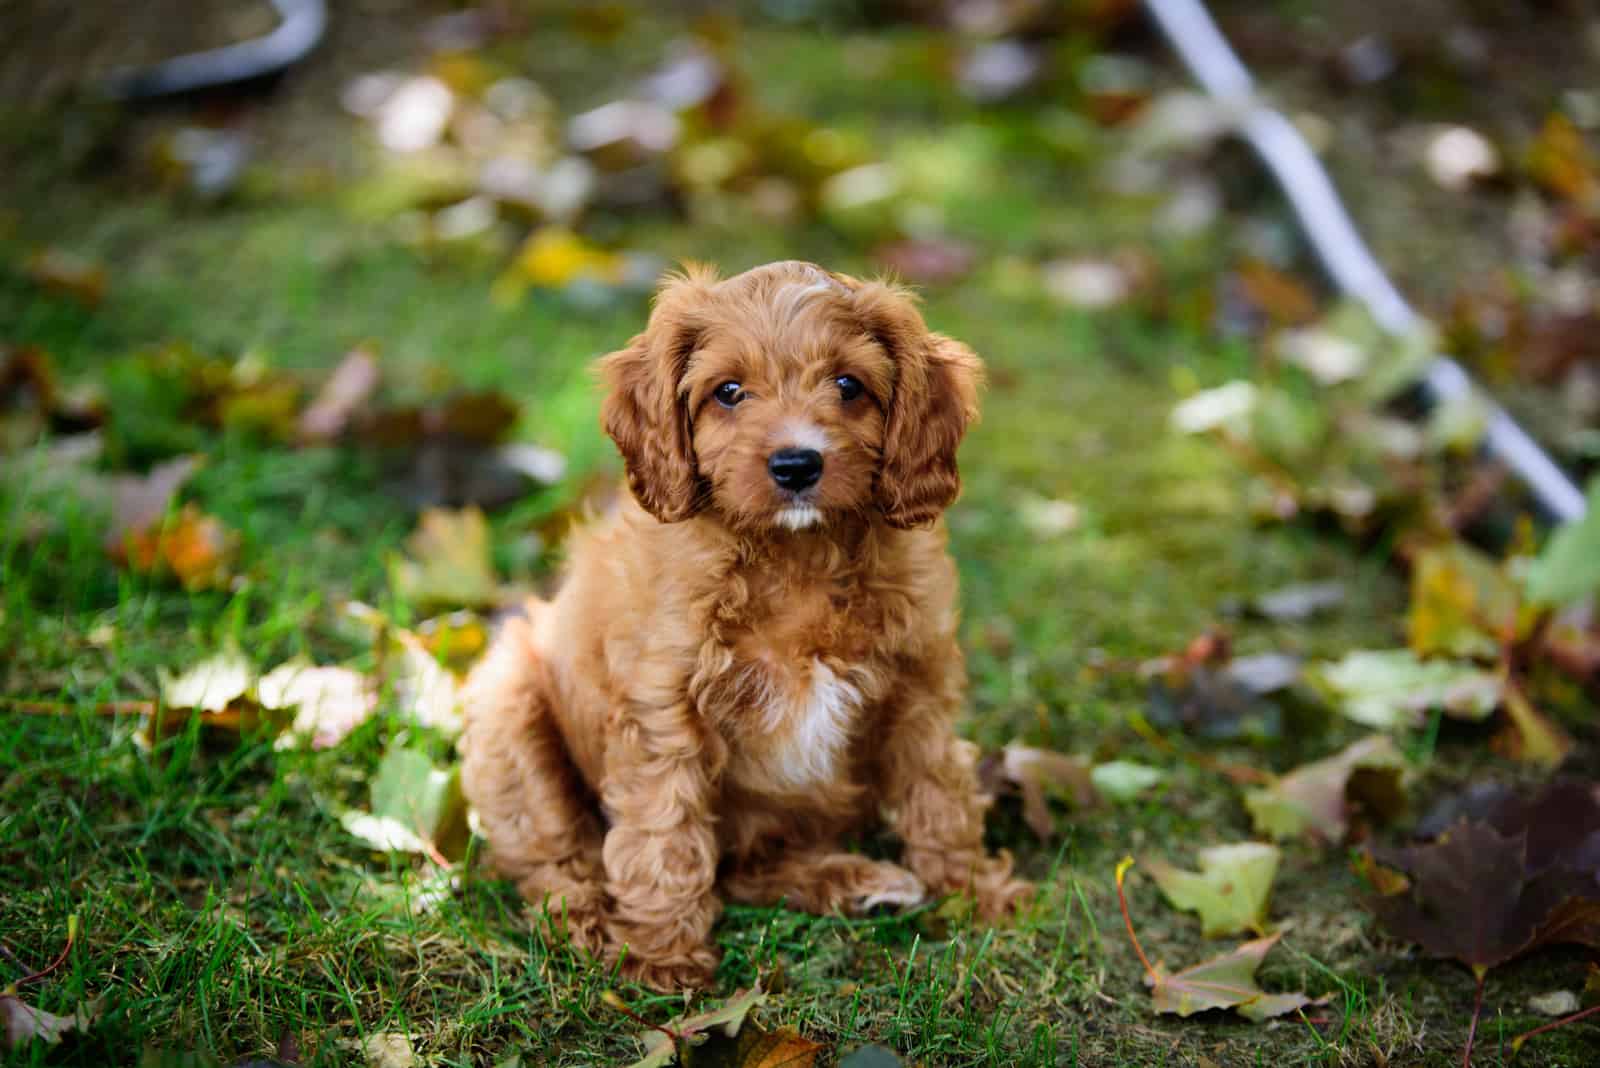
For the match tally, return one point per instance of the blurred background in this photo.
(295, 369)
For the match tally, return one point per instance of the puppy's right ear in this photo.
(643, 412)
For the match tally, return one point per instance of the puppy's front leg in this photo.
(660, 854)
(930, 783)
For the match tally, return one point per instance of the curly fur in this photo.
(735, 676)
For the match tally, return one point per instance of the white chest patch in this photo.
(814, 729)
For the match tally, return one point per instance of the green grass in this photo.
(222, 905)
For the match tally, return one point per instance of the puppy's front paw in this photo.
(887, 884)
(690, 972)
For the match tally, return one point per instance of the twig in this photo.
(1516, 1043)
(61, 958)
(62, 708)
(616, 1002)
(1127, 920)
(1472, 1028)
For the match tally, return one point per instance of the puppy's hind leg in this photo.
(543, 830)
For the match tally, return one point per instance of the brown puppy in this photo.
(758, 654)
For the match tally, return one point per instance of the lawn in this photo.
(224, 911)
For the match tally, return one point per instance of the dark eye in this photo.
(849, 388)
(728, 394)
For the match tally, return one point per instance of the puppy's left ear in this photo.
(935, 399)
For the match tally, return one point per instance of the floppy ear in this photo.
(935, 399)
(643, 412)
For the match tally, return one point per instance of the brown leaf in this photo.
(1036, 775)
(349, 387)
(1320, 798)
(67, 274)
(1483, 894)
(1529, 735)
(1284, 300)
(23, 1023)
(140, 502)
(1560, 161)
(194, 547)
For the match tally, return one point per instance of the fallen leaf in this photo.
(23, 1023)
(1225, 407)
(1293, 604)
(449, 561)
(663, 1046)
(1320, 798)
(1462, 604)
(1560, 161)
(351, 385)
(388, 1049)
(1088, 283)
(1529, 735)
(1281, 298)
(427, 801)
(328, 702)
(1124, 780)
(139, 503)
(1458, 157)
(1037, 775)
(209, 686)
(1555, 1003)
(1227, 981)
(928, 261)
(69, 275)
(425, 692)
(1048, 517)
(1395, 688)
(1230, 891)
(1473, 896)
(193, 547)
(1567, 569)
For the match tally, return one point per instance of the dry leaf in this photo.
(23, 1023)
(1320, 798)
(350, 386)
(1223, 982)
(450, 563)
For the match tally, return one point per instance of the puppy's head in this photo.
(789, 397)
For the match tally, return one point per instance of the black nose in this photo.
(795, 469)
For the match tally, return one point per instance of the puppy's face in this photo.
(789, 398)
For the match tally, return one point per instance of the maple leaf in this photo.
(1227, 981)
(22, 1023)
(328, 702)
(1223, 982)
(1319, 798)
(349, 387)
(1462, 604)
(662, 1043)
(1395, 688)
(1568, 568)
(1483, 894)
(1230, 891)
(449, 561)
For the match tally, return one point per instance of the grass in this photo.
(222, 906)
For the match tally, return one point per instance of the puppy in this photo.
(757, 655)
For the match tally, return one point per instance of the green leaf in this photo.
(1569, 567)
(1124, 780)
(1394, 688)
(1230, 891)
(449, 561)
(411, 794)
